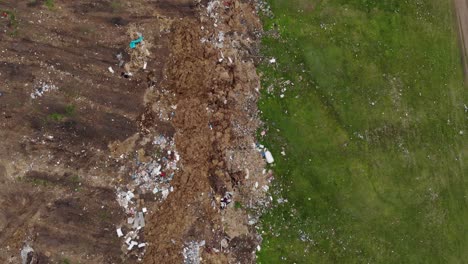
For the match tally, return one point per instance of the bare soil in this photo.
(57, 177)
(63, 154)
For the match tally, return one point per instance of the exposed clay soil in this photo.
(64, 153)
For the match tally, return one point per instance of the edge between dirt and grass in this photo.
(372, 126)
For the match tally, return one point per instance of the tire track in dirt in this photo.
(461, 12)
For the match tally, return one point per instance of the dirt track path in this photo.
(461, 9)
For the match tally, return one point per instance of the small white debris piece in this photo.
(132, 244)
(269, 157)
(281, 95)
(130, 220)
(130, 195)
(283, 153)
(144, 210)
(128, 240)
(119, 232)
(258, 248)
(165, 193)
(265, 188)
(272, 60)
(256, 185)
(25, 252)
(111, 70)
(141, 245)
(144, 65)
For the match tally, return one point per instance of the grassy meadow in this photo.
(367, 101)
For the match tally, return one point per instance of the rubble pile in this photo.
(154, 178)
(43, 88)
(192, 252)
(211, 81)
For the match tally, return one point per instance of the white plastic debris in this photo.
(144, 65)
(25, 252)
(144, 210)
(165, 193)
(132, 244)
(269, 157)
(111, 70)
(130, 195)
(272, 60)
(119, 232)
(141, 245)
(43, 88)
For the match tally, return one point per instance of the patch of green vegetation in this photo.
(12, 21)
(50, 4)
(238, 205)
(69, 111)
(56, 117)
(38, 182)
(372, 129)
(75, 182)
(66, 261)
(104, 215)
(116, 5)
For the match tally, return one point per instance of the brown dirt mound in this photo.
(214, 85)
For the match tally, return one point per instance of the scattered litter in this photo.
(150, 177)
(134, 43)
(192, 252)
(144, 65)
(111, 70)
(126, 74)
(120, 59)
(25, 253)
(43, 88)
(272, 60)
(227, 199)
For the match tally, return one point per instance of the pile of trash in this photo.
(192, 252)
(153, 177)
(139, 52)
(43, 88)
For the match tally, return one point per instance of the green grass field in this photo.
(373, 129)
